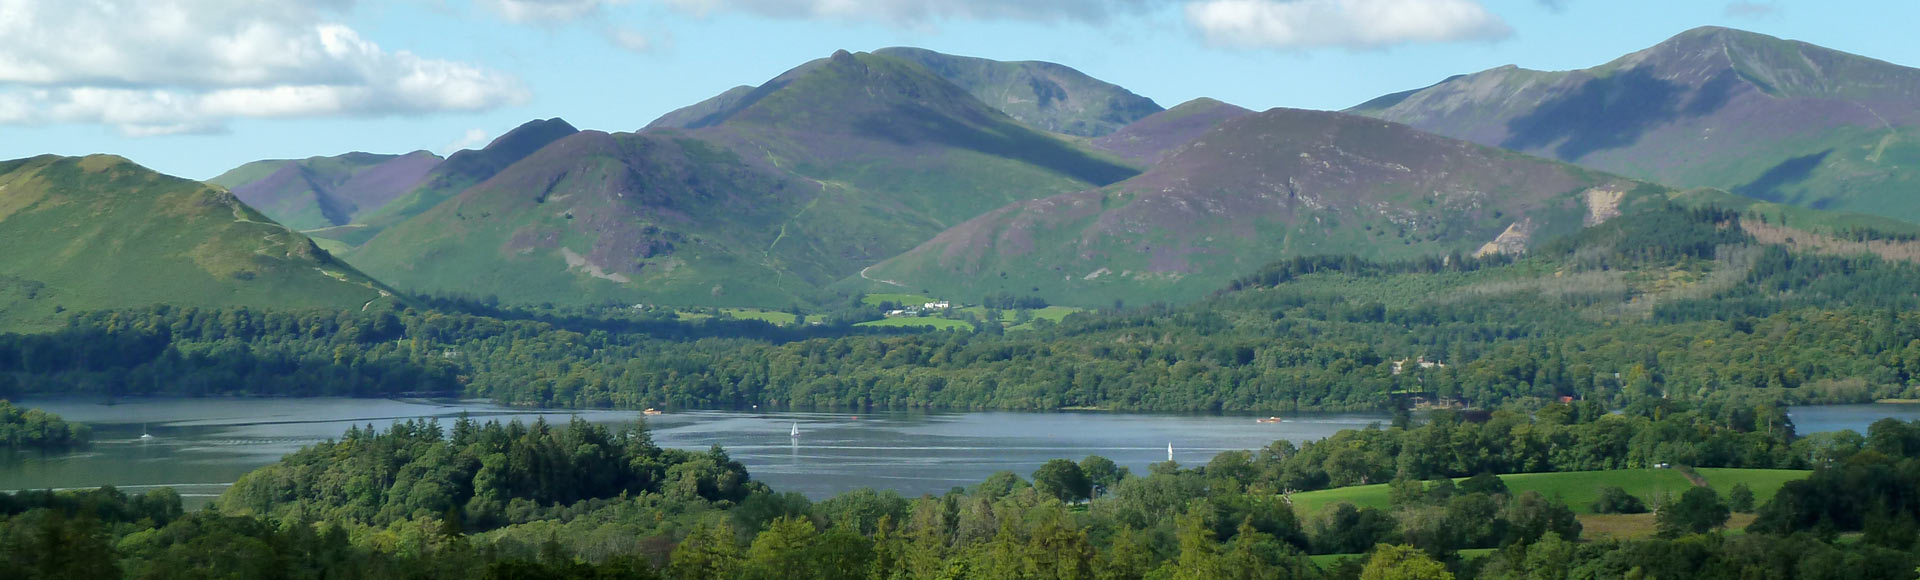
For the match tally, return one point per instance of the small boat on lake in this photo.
(796, 431)
(1270, 420)
(653, 411)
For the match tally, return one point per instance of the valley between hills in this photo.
(1572, 313)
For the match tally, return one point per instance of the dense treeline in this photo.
(1557, 437)
(1869, 484)
(1011, 301)
(602, 504)
(36, 430)
(481, 476)
(1668, 305)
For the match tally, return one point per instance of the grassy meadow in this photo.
(1578, 489)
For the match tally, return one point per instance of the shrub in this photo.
(1614, 500)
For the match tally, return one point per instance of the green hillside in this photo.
(799, 184)
(623, 218)
(100, 233)
(447, 179)
(1840, 130)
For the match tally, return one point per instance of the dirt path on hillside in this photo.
(864, 276)
(1693, 476)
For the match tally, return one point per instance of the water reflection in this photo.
(200, 446)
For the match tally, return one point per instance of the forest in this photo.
(24, 429)
(539, 501)
(1678, 305)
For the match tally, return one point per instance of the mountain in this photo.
(1263, 187)
(697, 113)
(1771, 119)
(1049, 96)
(460, 171)
(795, 185)
(323, 192)
(1042, 95)
(100, 232)
(1149, 139)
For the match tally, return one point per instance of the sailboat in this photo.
(1169, 451)
(796, 431)
(144, 435)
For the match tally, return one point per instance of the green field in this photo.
(769, 316)
(775, 317)
(1009, 317)
(936, 323)
(901, 299)
(1578, 489)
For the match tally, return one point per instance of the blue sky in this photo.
(194, 87)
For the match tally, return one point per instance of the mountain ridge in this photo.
(813, 175)
(321, 192)
(100, 232)
(1772, 119)
(1258, 188)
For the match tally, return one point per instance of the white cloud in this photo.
(154, 67)
(922, 11)
(473, 139)
(1353, 24)
(546, 10)
(15, 109)
(1235, 23)
(632, 40)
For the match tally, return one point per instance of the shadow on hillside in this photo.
(1614, 112)
(1714, 95)
(909, 125)
(1790, 172)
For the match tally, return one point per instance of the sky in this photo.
(196, 87)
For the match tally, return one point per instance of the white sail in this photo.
(796, 430)
(1169, 451)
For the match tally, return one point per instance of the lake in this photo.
(200, 446)
(1827, 418)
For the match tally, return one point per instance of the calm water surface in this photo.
(1826, 418)
(200, 446)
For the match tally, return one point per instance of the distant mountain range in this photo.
(1258, 188)
(1767, 118)
(323, 192)
(100, 232)
(769, 197)
(910, 170)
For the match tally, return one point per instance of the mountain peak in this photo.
(1770, 118)
(1710, 32)
(1046, 95)
(1710, 39)
(1148, 140)
(541, 130)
